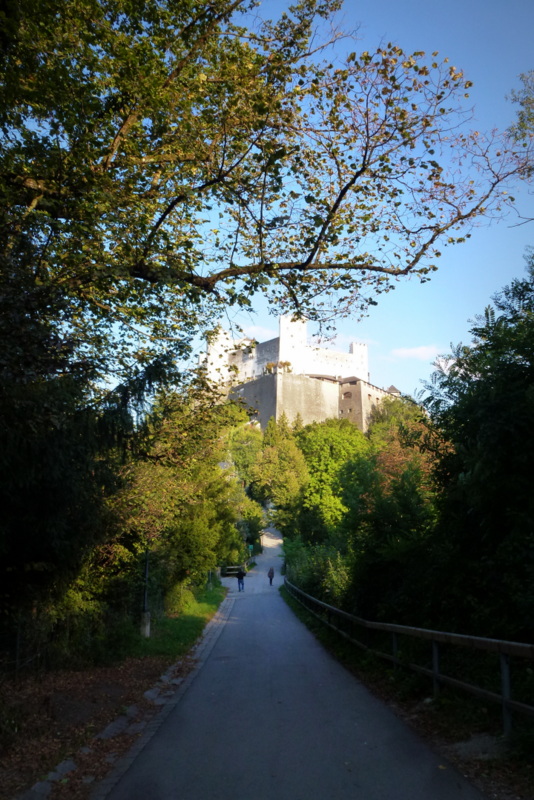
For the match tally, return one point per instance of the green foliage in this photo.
(326, 447)
(177, 501)
(387, 526)
(483, 401)
(389, 499)
(160, 162)
(245, 443)
(523, 128)
(396, 419)
(172, 499)
(363, 520)
(58, 454)
(319, 570)
(251, 522)
(280, 470)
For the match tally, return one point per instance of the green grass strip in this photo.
(173, 636)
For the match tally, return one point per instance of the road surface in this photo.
(270, 714)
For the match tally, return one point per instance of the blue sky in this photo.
(492, 42)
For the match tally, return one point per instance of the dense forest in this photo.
(164, 161)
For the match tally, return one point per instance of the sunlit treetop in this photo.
(163, 160)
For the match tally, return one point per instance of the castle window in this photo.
(347, 396)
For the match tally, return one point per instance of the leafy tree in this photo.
(280, 470)
(177, 502)
(58, 454)
(389, 496)
(318, 569)
(326, 446)
(523, 129)
(390, 518)
(252, 520)
(161, 161)
(482, 399)
(245, 444)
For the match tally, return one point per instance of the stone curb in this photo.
(200, 653)
(167, 693)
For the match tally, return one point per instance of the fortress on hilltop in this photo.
(288, 376)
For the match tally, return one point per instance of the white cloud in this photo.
(425, 352)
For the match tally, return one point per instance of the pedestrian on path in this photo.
(241, 580)
(271, 575)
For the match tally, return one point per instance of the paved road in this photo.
(271, 715)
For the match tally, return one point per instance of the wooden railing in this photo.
(346, 625)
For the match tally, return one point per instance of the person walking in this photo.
(271, 575)
(241, 580)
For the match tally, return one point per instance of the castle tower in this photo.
(292, 345)
(359, 353)
(217, 360)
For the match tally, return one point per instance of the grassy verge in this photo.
(173, 636)
(46, 719)
(450, 718)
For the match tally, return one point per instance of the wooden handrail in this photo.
(504, 648)
(463, 640)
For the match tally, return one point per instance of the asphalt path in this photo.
(270, 714)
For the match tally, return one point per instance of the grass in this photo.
(173, 636)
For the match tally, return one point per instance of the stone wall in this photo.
(288, 376)
(357, 400)
(259, 397)
(314, 400)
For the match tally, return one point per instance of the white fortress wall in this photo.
(329, 362)
(293, 340)
(293, 348)
(266, 353)
(259, 397)
(314, 400)
(236, 361)
(308, 359)
(360, 354)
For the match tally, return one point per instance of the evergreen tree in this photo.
(482, 398)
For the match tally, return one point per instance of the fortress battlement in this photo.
(290, 376)
(235, 361)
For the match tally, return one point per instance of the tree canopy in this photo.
(161, 160)
(482, 399)
(523, 129)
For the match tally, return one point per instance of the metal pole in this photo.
(145, 616)
(145, 594)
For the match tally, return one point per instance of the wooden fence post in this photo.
(395, 649)
(435, 667)
(506, 693)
